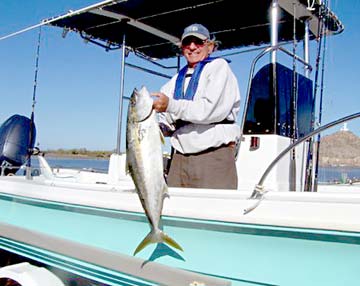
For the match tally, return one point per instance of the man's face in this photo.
(195, 50)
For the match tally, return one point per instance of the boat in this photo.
(280, 227)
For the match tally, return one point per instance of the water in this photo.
(326, 174)
(101, 165)
(338, 174)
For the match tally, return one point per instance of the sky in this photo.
(78, 84)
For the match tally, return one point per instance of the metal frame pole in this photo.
(274, 12)
(122, 83)
(309, 158)
(274, 28)
(306, 48)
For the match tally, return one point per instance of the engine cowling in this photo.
(17, 139)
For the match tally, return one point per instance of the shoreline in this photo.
(74, 156)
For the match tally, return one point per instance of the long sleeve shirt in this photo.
(216, 99)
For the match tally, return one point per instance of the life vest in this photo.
(191, 88)
(194, 81)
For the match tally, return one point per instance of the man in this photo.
(200, 106)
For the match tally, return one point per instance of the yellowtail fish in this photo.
(144, 159)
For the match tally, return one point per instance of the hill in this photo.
(340, 148)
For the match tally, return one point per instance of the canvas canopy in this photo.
(153, 28)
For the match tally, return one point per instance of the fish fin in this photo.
(156, 237)
(145, 242)
(162, 138)
(168, 240)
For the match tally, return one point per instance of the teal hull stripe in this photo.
(221, 226)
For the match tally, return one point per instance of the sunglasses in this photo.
(188, 40)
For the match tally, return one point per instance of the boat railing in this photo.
(6, 169)
(259, 191)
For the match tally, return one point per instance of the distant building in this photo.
(344, 128)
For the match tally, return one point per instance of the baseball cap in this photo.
(196, 30)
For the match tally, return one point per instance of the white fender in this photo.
(29, 275)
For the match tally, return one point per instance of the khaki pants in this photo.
(213, 169)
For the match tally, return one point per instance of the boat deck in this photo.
(334, 207)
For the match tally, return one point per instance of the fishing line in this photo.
(293, 109)
(309, 186)
(36, 72)
(294, 88)
(32, 123)
(320, 107)
(146, 117)
(68, 15)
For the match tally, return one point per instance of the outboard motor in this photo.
(17, 139)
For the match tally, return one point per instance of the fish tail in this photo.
(145, 242)
(168, 240)
(157, 237)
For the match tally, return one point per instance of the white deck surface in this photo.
(335, 207)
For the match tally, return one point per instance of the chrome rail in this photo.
(259, 191)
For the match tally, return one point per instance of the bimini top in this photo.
(153, 28)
